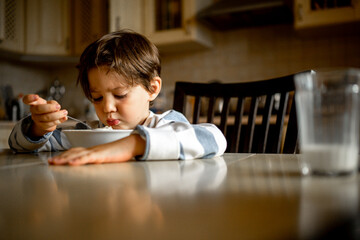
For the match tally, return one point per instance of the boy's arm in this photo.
(20, 139)
(173, 137)
(172, 143)
(38, 132)
(167, 138)
(118, 151)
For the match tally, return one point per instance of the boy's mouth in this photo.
(112, 122)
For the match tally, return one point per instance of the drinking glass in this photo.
(327, 103)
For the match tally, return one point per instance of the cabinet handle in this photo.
(117, 23)
(188, 24)
(300, 12)
(67, 44)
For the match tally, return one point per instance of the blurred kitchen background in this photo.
(199, 41)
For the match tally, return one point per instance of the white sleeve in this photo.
(172, 137)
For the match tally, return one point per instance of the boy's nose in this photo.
(109, 105)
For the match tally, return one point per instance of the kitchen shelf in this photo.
(43, 60)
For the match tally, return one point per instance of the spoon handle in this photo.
(80, 124)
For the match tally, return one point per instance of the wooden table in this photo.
(237, 196)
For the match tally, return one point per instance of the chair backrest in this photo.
(257, 117)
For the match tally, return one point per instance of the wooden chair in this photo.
(266, 124)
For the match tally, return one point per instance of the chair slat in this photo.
(251, 124)
(197, 106)
(280, 121)
(179, 98)
(291, 138)
(211, 109)
(266, 123)
(237, 126)
(224, 115)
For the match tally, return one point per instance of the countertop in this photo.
(236, 196)
(5, 130)
(7, 124)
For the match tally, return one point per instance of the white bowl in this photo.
(89, 138)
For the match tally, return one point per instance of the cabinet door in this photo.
(90, 22)
(47, 27)
(126, 14)
(12, 25)
(311, 13)
(172, 26)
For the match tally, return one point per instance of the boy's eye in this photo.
(120, 96)
(97, 99)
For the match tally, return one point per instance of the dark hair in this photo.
(125, 52)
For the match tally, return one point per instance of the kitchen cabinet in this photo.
(44, 23)
(314, 13)
(11, 25)
(126, 14)
(51, 28)
(169, 24)
(90, 22)
(172, 26)
(47, 27)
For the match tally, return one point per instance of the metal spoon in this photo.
(80, 124)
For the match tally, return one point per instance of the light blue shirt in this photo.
(168, 136)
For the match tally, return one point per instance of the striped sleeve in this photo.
(171, 136)
(20, 142)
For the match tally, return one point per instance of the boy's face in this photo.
(116, 104)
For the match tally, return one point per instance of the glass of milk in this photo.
(327, 103)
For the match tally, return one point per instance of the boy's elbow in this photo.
(222, 145)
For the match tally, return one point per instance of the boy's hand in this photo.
(46, 115)
(118, 151)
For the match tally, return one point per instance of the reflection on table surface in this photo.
(237, 196)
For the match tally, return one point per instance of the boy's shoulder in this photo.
(172, 115)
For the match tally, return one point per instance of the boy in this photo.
(120, 75)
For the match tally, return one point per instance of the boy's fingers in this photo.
(49, 126)
(56, 117)
(33, 99)
(29, 98)
(44, 108)
(52, 102)
(68, 156)
(78, 161)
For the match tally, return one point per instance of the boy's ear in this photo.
(156, 87)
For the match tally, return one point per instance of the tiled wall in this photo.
(260, 53)
(252, 54)
(247, 54)
(28, 78)
(22, 77)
